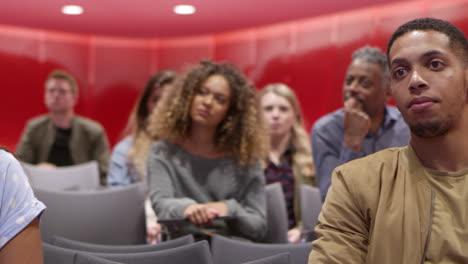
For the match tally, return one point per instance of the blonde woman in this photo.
(128, 159)
(206, 162)
(290, 158)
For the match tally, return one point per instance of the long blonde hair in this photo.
(302, 155)
(239, 134)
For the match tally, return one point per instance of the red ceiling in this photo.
(155, 19)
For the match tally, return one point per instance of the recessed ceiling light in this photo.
(72, 10)
(184, 9)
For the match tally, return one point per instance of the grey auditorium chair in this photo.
(83, 176)
(282, 258)
(195, 253)
(311, 206)
(89, 259)
(91, 247)
(277, 217)
(110, 216)
(232, 251)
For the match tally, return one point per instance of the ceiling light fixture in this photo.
(72, 10)
(184, 9)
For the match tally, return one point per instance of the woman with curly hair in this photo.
(206, 163)
(128, 159)
(290, 158)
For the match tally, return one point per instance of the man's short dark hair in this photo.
(63, 75)
(457, 38)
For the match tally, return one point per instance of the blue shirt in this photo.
(119, 173)
(329, 151)
(18, 207)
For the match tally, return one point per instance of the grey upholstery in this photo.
(83, 176)
(277, 216)
(109, 216)
(57, 255)
(195, 253)
(311, 205)
(90, 247)
(231, 251)
(88, 259)
(282, 258)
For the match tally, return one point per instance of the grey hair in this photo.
(372, 55)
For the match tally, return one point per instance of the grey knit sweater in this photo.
(178, 178)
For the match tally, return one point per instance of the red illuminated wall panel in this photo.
(454, 11)
(389, 18)
(21, 79)
(275, 46)
(178, 54)
(239, 48)
(309, 55)
(313, 67)
(120, 70)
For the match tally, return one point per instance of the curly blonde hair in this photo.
(302, 155)
(138, 121)
(240, 134)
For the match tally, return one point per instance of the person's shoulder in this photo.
(38, 121)
(163, 147)
(8, 162)
(372, 167)
(399, 124)
(330, 120)
(6, 157)
(88, 123)
(393, 112)
(124, 144)
(163, 144)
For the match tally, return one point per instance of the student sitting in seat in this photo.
(128, 160)
(290, 157)
(61, 137)
(206, 163)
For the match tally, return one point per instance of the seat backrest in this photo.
(277, 216)
(53, 254)
(109, 216)
(88, 259)
(195, 253)
(282, 258)
(90, 247)
(311, 205)
(232, 251)
(83, 176)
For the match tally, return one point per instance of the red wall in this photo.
(309, 55)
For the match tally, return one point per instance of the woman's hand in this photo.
(294, 235)
(153, 233)
(199, 214)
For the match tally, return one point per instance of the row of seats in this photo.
(84, 176)
(182, 250)
(78, 208)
